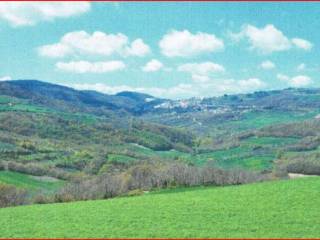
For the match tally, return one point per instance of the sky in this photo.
(166, 49)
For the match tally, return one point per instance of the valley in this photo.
(159, 120)
(61, 145)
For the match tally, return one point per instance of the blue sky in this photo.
(172, 50)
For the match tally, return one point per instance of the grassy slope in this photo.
(273, 209)
(28, 182)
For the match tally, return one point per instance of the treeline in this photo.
(304, 167)
(305, 144)
(146, 176)
(132, 180)
(303, 163)
(298, 129)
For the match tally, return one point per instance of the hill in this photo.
(54, 131)
(241, 112)
(275, 209)
(65, 98)
(51, 130)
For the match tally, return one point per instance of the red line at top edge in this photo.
(160, 1)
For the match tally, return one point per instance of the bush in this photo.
(304, 167)
(136, 192)
(2, 166)
(11, 196)
(38, 170)
(64, 197)
(42, 199)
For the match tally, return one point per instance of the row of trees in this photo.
(131, 180)
(146, 176)
(304, 167)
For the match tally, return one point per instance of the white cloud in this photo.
(302, 43)
(297, 81)
(30, 13)
(216, 87)
(251, 83)
(181, 90)
(301, 67)
(232, 86)
(101, 87)
(200, 78)
(5, 78)
(282, 77)
(97, 43)
(138, 48)
(90, 67)
(55, 50)
(300, 81)
(184, 43)
(201, 68)
(152, 66)
(269, 39)
(267, 65)
(266, 40)
(200, 71)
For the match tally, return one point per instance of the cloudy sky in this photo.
(172, 50)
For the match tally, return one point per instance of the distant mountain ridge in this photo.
(59, 96)
(138, 104)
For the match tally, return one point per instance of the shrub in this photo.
(304, 167)
(42, 199)
(2, 166)
(11, 196)
(64, 197)
(136, 192)
(38, 170)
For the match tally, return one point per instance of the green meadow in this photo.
(274, 209)
(29, 182)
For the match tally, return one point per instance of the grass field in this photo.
(276, 209)
(253, 120)
(237, 157)
(29, 182)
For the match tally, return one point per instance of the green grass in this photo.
(5, 99)
(255, 120)
(273, 141)
(120, 158)
(28, 182)
(277, 209)
(24, 108)
(238, 157)
(257, 162)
